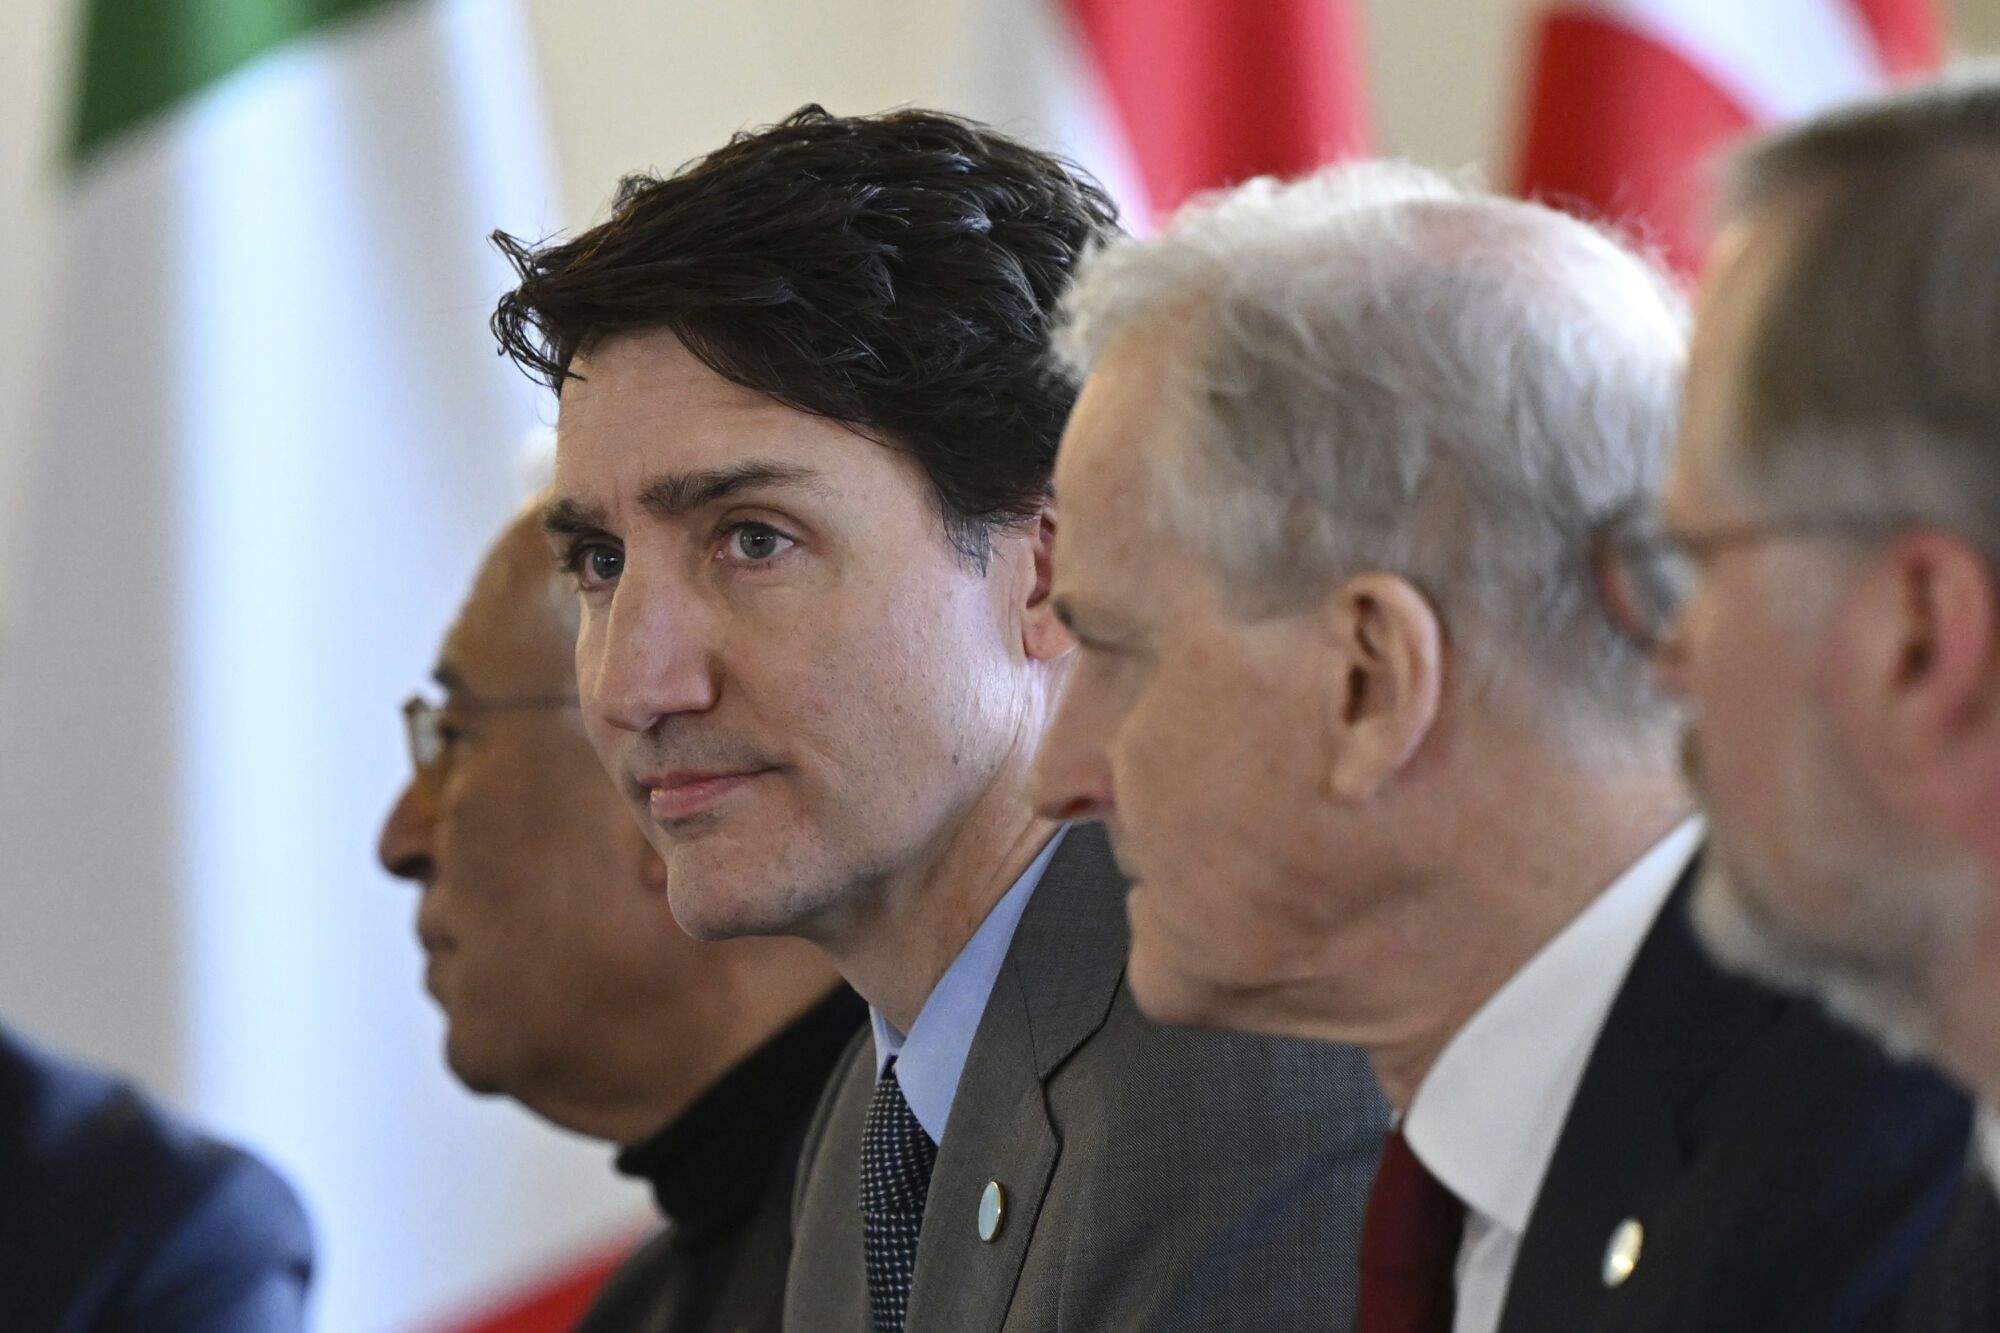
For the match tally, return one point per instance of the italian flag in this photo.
(1630, 102)
(275, 438)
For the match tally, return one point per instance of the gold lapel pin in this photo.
(1621, 1255)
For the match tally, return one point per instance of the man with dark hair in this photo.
(804, 444)
(116, 1217)
(565, 983)
(1822, 588)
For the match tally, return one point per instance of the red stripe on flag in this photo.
(1212, 92)
(1908, 34)
(1624, 130)
(551, 1306)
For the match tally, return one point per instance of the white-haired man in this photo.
(1382, 772)
(1821, 586)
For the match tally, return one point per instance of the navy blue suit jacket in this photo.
(114, 1216)
(1788, 1177)
(1960, 1290)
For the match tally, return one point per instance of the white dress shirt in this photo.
(1986, 1138)
(1486, 1118)
(930, 1060)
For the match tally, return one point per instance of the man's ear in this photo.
(1929, 644)
(1389, 676)
(1043, 637)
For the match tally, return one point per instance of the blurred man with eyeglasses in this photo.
(1823, 588)
(565, 983)
(1381, 772)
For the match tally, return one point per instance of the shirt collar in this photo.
(1986, 1138)
(1486, 1118)
(931, 1058)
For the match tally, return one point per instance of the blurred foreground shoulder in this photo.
(114, 1215)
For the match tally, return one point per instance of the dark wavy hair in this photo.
(898, 273)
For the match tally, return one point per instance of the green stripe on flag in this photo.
(142, 56)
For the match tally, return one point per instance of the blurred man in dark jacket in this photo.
(1822, 587)
(117, 1218)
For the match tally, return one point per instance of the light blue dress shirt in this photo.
(931, 1058)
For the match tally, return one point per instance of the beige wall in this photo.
(630, 83)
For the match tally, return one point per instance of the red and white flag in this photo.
(1630, 100)
(1163, 99)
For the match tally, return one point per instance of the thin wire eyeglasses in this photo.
(430, 737)
(1643, 571)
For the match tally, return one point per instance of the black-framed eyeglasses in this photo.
(1643, 570)
(430, 736)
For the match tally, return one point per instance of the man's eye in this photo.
(754, 542)
(596, 566)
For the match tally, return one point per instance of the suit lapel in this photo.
(1062, 972)
(1633, 1126)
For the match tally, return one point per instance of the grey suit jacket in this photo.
(1155, 1179)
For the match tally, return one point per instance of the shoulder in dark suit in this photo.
(115, 1216)
(1959, 1290)
(1154, 1178)
(1783, 1174)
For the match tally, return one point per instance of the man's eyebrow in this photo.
(448, 679)
(571, 517)
(681, 493)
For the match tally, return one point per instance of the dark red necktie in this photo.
(1409, 1247)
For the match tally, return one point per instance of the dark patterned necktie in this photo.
(1409, 1247)
(896, 1161)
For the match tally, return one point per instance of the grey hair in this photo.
(1382, 369)
(1872, 369)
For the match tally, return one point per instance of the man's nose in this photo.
(406, 845)
(1071, 778)
(651, 656)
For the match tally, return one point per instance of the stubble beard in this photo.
(1880, 997)
(1879, 974)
